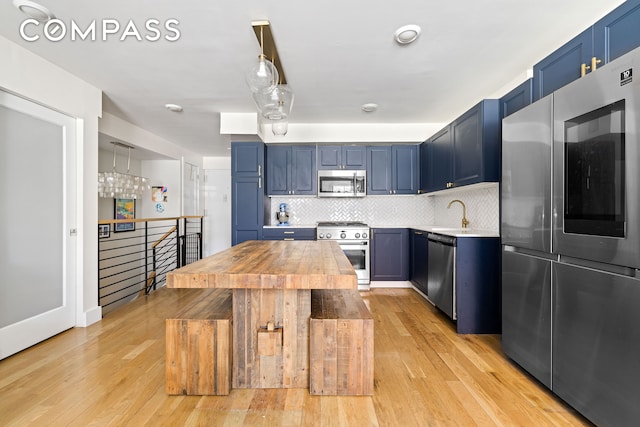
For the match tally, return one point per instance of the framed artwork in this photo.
(104, 231)
(124, 209)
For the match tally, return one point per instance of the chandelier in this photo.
(121, 185)
(271, 94)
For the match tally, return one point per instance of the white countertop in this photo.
(447, 231)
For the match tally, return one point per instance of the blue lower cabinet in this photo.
(288, 233)
(419, 260)
(390, 254)
(477, 284)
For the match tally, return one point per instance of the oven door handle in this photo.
(348, 246)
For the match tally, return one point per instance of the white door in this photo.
(37, 223)
(217, 219)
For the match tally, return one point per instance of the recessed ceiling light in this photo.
(34, 10)
(173, 107)
(369, 107)
(407, 34)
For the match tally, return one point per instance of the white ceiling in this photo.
(337, 55)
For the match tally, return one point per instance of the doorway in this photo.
(37, 223)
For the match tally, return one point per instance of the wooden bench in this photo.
(199, 346)
(341, 344)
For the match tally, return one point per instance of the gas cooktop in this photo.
(341, 224)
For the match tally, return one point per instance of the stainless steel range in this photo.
(353, 238)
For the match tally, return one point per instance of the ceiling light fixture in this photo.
(34, 10)
(407, 34)
(275, 100)
(173, 108)
(369, 107)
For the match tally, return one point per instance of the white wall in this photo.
(162, 173)
(26, 74)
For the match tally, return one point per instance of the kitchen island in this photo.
(271, 284)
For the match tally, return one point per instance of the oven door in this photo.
(358, 255)
(596, 209)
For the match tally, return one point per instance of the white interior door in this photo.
(217, 219)
(37, 223)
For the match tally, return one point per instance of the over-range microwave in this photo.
(342, 183)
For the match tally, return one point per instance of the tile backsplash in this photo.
(482, 204)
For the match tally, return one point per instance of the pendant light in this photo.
(274, 102)
(120, 185)
(263, 76)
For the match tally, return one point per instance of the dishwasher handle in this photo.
(440, 238)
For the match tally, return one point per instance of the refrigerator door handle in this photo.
(530, 252)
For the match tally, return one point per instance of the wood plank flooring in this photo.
(113, 374)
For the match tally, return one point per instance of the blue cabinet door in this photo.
(618, 32)
(247, 158)
(405, 173)
(247, 210)
(379, 180)
(563, 66)
(476, 144)
(390, 254)
(342, 157)
(247, 191)
(439, 164)
(354, 157)
(517, 98)
(278, 170)
(419, 260)
(329, 156)
(424, 166)
(303, 170)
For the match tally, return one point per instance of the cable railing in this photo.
(136, 260)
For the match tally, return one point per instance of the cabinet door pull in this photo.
(583, 69)
(289, 232)
(289, 238)
(594, 63)
(260, 182)
(259, 170)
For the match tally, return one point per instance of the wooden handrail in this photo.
(167, 234)
(120, 221)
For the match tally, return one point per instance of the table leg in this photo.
(257, 362)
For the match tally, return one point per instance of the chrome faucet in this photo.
(465, 221)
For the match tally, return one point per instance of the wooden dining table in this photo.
(271, 283)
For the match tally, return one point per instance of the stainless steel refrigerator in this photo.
(571, 242)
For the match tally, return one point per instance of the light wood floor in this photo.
(112, 373)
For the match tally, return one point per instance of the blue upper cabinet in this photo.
(393, 169)
(291, 170)
(612, 36)
(405, 172)
(618, 32)
(476, 144)
(467, 151)
(438, 170)
(379, 170)
(563, 66)
(342, 157)
(247, 159)
(517, 98)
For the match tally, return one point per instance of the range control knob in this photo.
(320, 236)
(328, 235)
(364, 235)
(343, 235)
(357, 235)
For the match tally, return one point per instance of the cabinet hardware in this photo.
(260, 182)
(289, 238)
(289, 232)
(259, 170)
(583, 69)
(594, 63)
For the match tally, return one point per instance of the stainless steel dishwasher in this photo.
(441, 273)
